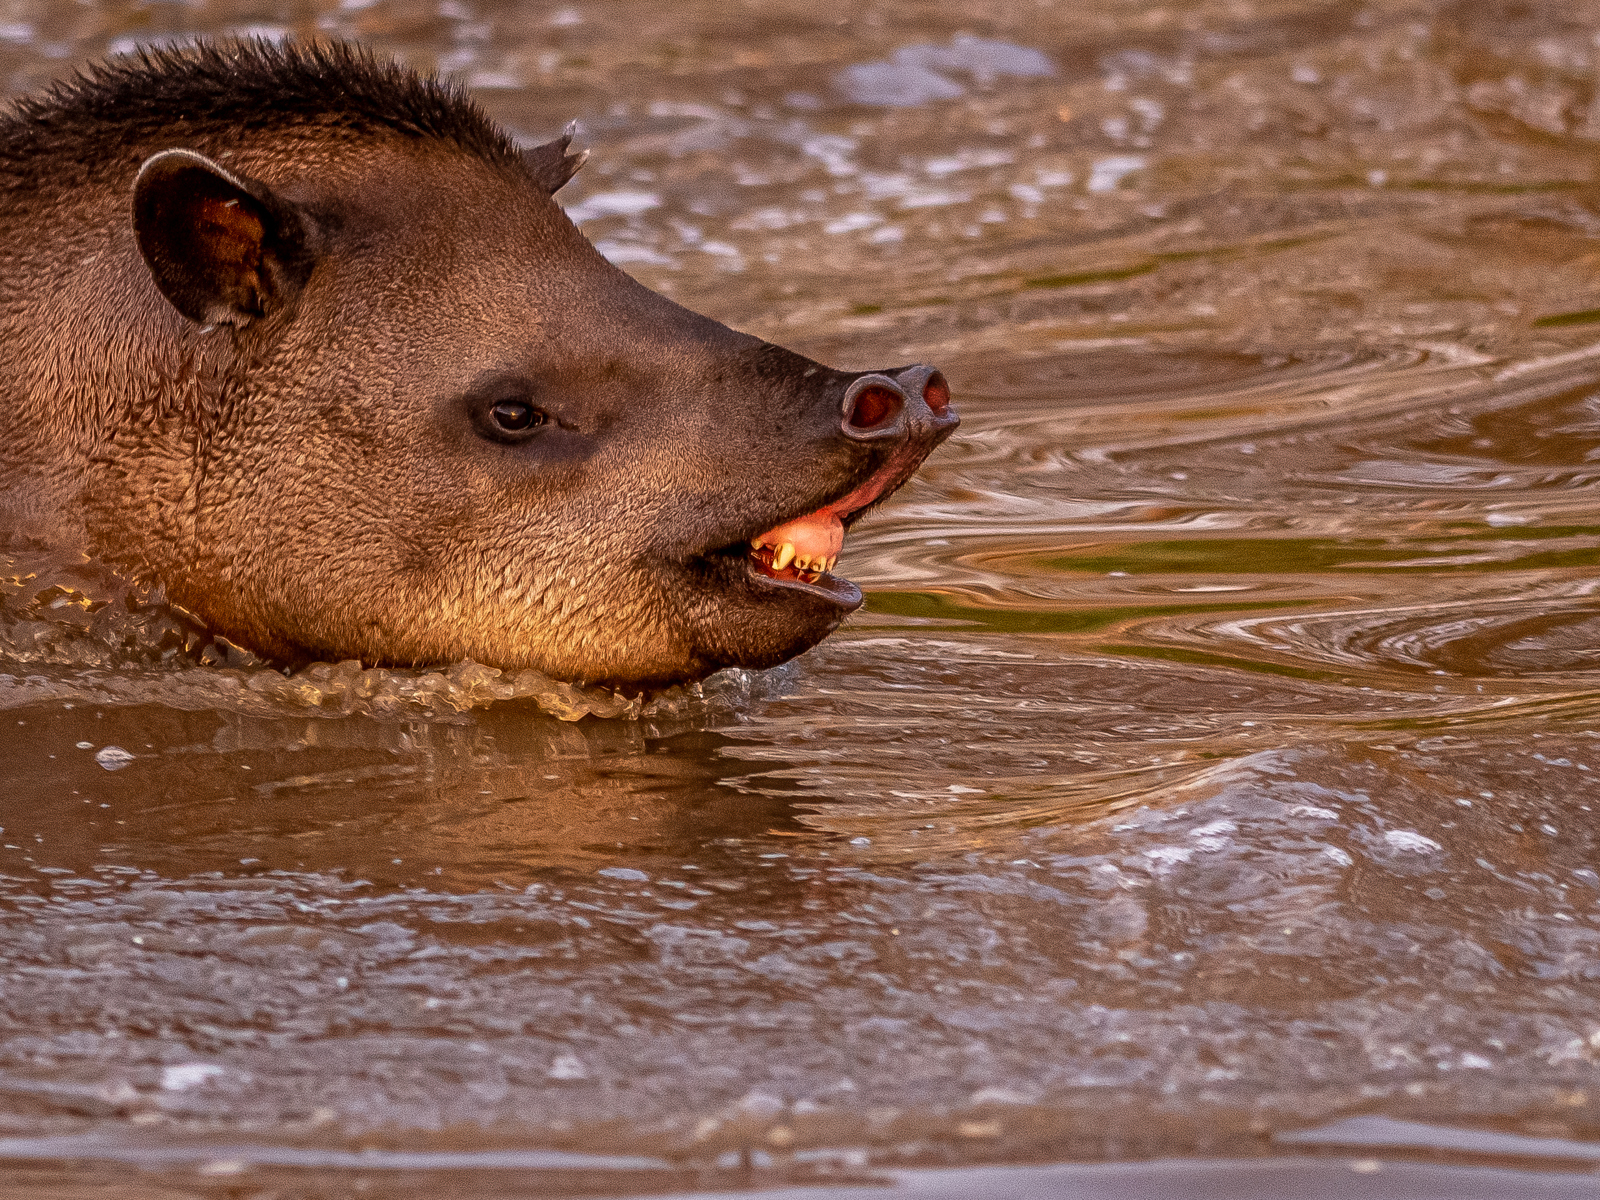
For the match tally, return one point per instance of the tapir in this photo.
(302, 338)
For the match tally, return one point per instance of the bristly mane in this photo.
(210, 92)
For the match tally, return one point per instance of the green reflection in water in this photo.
(1079, 278)
(1277, 556)
(1587, 316)
(1204, 659)
(946, 610)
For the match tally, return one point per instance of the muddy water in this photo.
(1215, 760)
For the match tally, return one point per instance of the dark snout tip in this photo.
(929, 383)
(872, 405)
(914, 401)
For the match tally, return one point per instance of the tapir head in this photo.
(450, 429)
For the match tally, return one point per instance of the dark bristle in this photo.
(210, 92)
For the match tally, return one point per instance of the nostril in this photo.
(873, 407)
(936, 393)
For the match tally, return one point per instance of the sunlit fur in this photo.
(308, 483)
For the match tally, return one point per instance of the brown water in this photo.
(1216, 758)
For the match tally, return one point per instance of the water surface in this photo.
(1215, 759)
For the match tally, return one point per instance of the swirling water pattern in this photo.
(1216, 753)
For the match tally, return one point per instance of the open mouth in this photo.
(784, 563)
(905, 415)
(803, 552)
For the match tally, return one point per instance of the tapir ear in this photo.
(550, 164)
(223, 249)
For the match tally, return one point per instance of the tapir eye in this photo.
(505, 409)
(516, 416)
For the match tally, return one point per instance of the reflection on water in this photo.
(1216, 754)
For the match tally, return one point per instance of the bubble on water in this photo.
(721, 250)
(1164, 858)
(1122, 66)
(568, 1066)
(770, 218)
(983, 156)
(183, 1076)
(1003, 1095)
(833, 151)
(619, 252)
(1150, 112)
(1107, 174)
(985, 59)
(627, 873)
(920, 73)
(851, 222)
(763, 1106)
(612, 204)
(1314, 812)
(1409, 841)
(895, 85)
(932, 199)
(113, 758)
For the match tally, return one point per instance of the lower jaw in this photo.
(734, 614)
(808, 577)
(820, 584)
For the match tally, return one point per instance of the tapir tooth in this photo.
(784, 557)
(756, 543)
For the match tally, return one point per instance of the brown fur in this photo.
(304, 476)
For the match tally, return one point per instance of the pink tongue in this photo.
(821, 534)
(818, 535)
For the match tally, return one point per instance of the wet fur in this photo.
(300, 482)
